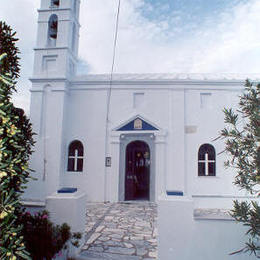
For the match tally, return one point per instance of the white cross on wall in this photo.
(76, 157)
(206, 162)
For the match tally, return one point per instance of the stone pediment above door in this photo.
(137, 123)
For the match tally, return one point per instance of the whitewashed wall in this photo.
(208, 120)
(86, 122)
(78, 111)
(182, 237)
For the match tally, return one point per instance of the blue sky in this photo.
(194, 10)
(189, 36)
(189, 11)
(187, 14)
(173, 35)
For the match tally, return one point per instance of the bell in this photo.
(56, 2)
(53, 34)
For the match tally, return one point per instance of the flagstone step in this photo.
(125, 231)
(88, 255)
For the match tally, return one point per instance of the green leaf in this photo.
(23, 255)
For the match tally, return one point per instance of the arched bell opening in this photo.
(52, 30)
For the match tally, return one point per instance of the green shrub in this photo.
(15, 149)
(242, 144)
(16, 140)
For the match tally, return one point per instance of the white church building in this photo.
(123, 137)
(128, 137)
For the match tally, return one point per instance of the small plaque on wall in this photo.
(108, 161)
(190, 129)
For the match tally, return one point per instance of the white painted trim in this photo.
(141, 86)
(54, 9)
(67, 48)
(225, 196)
(53, 89)
(48, 80)
(70, 172)
(237, 83)
(34, 203)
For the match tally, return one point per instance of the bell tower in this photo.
(57, 39)
(54, 66)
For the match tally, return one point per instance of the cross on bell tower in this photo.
(57, 39)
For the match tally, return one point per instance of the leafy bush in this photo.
(16, 140)
(10, 64)
(20, 232)
(15, 148)
(42, 238)
(242, 139)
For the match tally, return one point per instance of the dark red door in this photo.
(137, 176)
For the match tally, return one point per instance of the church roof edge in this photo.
(160, 77)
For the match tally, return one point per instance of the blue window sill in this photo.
(174, 193)
(67, 190)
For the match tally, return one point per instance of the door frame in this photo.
(125, 139)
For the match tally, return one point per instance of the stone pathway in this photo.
(125, 231)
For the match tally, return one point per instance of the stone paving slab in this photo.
(213, 214)
(86, 255)
(126, 231)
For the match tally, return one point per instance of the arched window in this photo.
(55, 3)
(207, 160)
(52, 30)
(75, 156)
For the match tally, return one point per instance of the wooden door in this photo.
(137, 175)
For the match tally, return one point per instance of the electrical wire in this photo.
(113, 61)
(109, 94)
